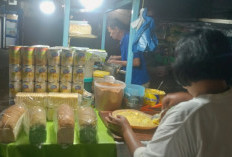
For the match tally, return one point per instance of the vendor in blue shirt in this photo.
(118, 32)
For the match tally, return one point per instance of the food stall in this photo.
(54, 115)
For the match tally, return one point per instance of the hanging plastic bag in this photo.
(145, 38)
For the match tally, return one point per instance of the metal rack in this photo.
(135, 11)
(4, 20)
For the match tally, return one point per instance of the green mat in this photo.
(105, 147)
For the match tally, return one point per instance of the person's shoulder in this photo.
(184, 110)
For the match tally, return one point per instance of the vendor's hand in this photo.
(109, 61)
(173, 99)
(111, 57)
(117, 125)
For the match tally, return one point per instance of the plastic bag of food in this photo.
(35, 125)
(57, 99)
(32, 99)
(87, 124)
(64, 122)
(11, 123)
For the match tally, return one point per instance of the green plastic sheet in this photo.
(105, 147)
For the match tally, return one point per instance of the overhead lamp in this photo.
(47, 6)
(91, 4)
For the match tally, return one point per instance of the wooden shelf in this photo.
(83, 36)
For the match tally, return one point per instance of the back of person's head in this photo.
(203, 55)
(113, 23)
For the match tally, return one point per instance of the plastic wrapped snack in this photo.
(87, 124)
(36, 125)
(66, 74)
(57, 99)
(53, 73)
(53, 86)
(53, 56)
(41, 73)
(14, 55)
(41, 54)
(32, 99)
(10, 123)
(65, 87)
(14, 88)
(67, 57)
(27, 86)
(28, 73)
(15, 72)
(64, 124)
(27, 54)
(40, 87)
(78, 87)
(79, 56)
(78, 74)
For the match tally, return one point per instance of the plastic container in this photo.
(133, 96)
(88, 84)
(108, 94)
(100, 74)
(153, 97)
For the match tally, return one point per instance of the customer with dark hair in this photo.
(118, 31)
(199, 127)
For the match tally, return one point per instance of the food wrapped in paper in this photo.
(87, 124)
(64, 124)
(32, 99)
(11, 123)
(35, 124)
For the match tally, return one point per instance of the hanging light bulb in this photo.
(91, 4)
(47, 6)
